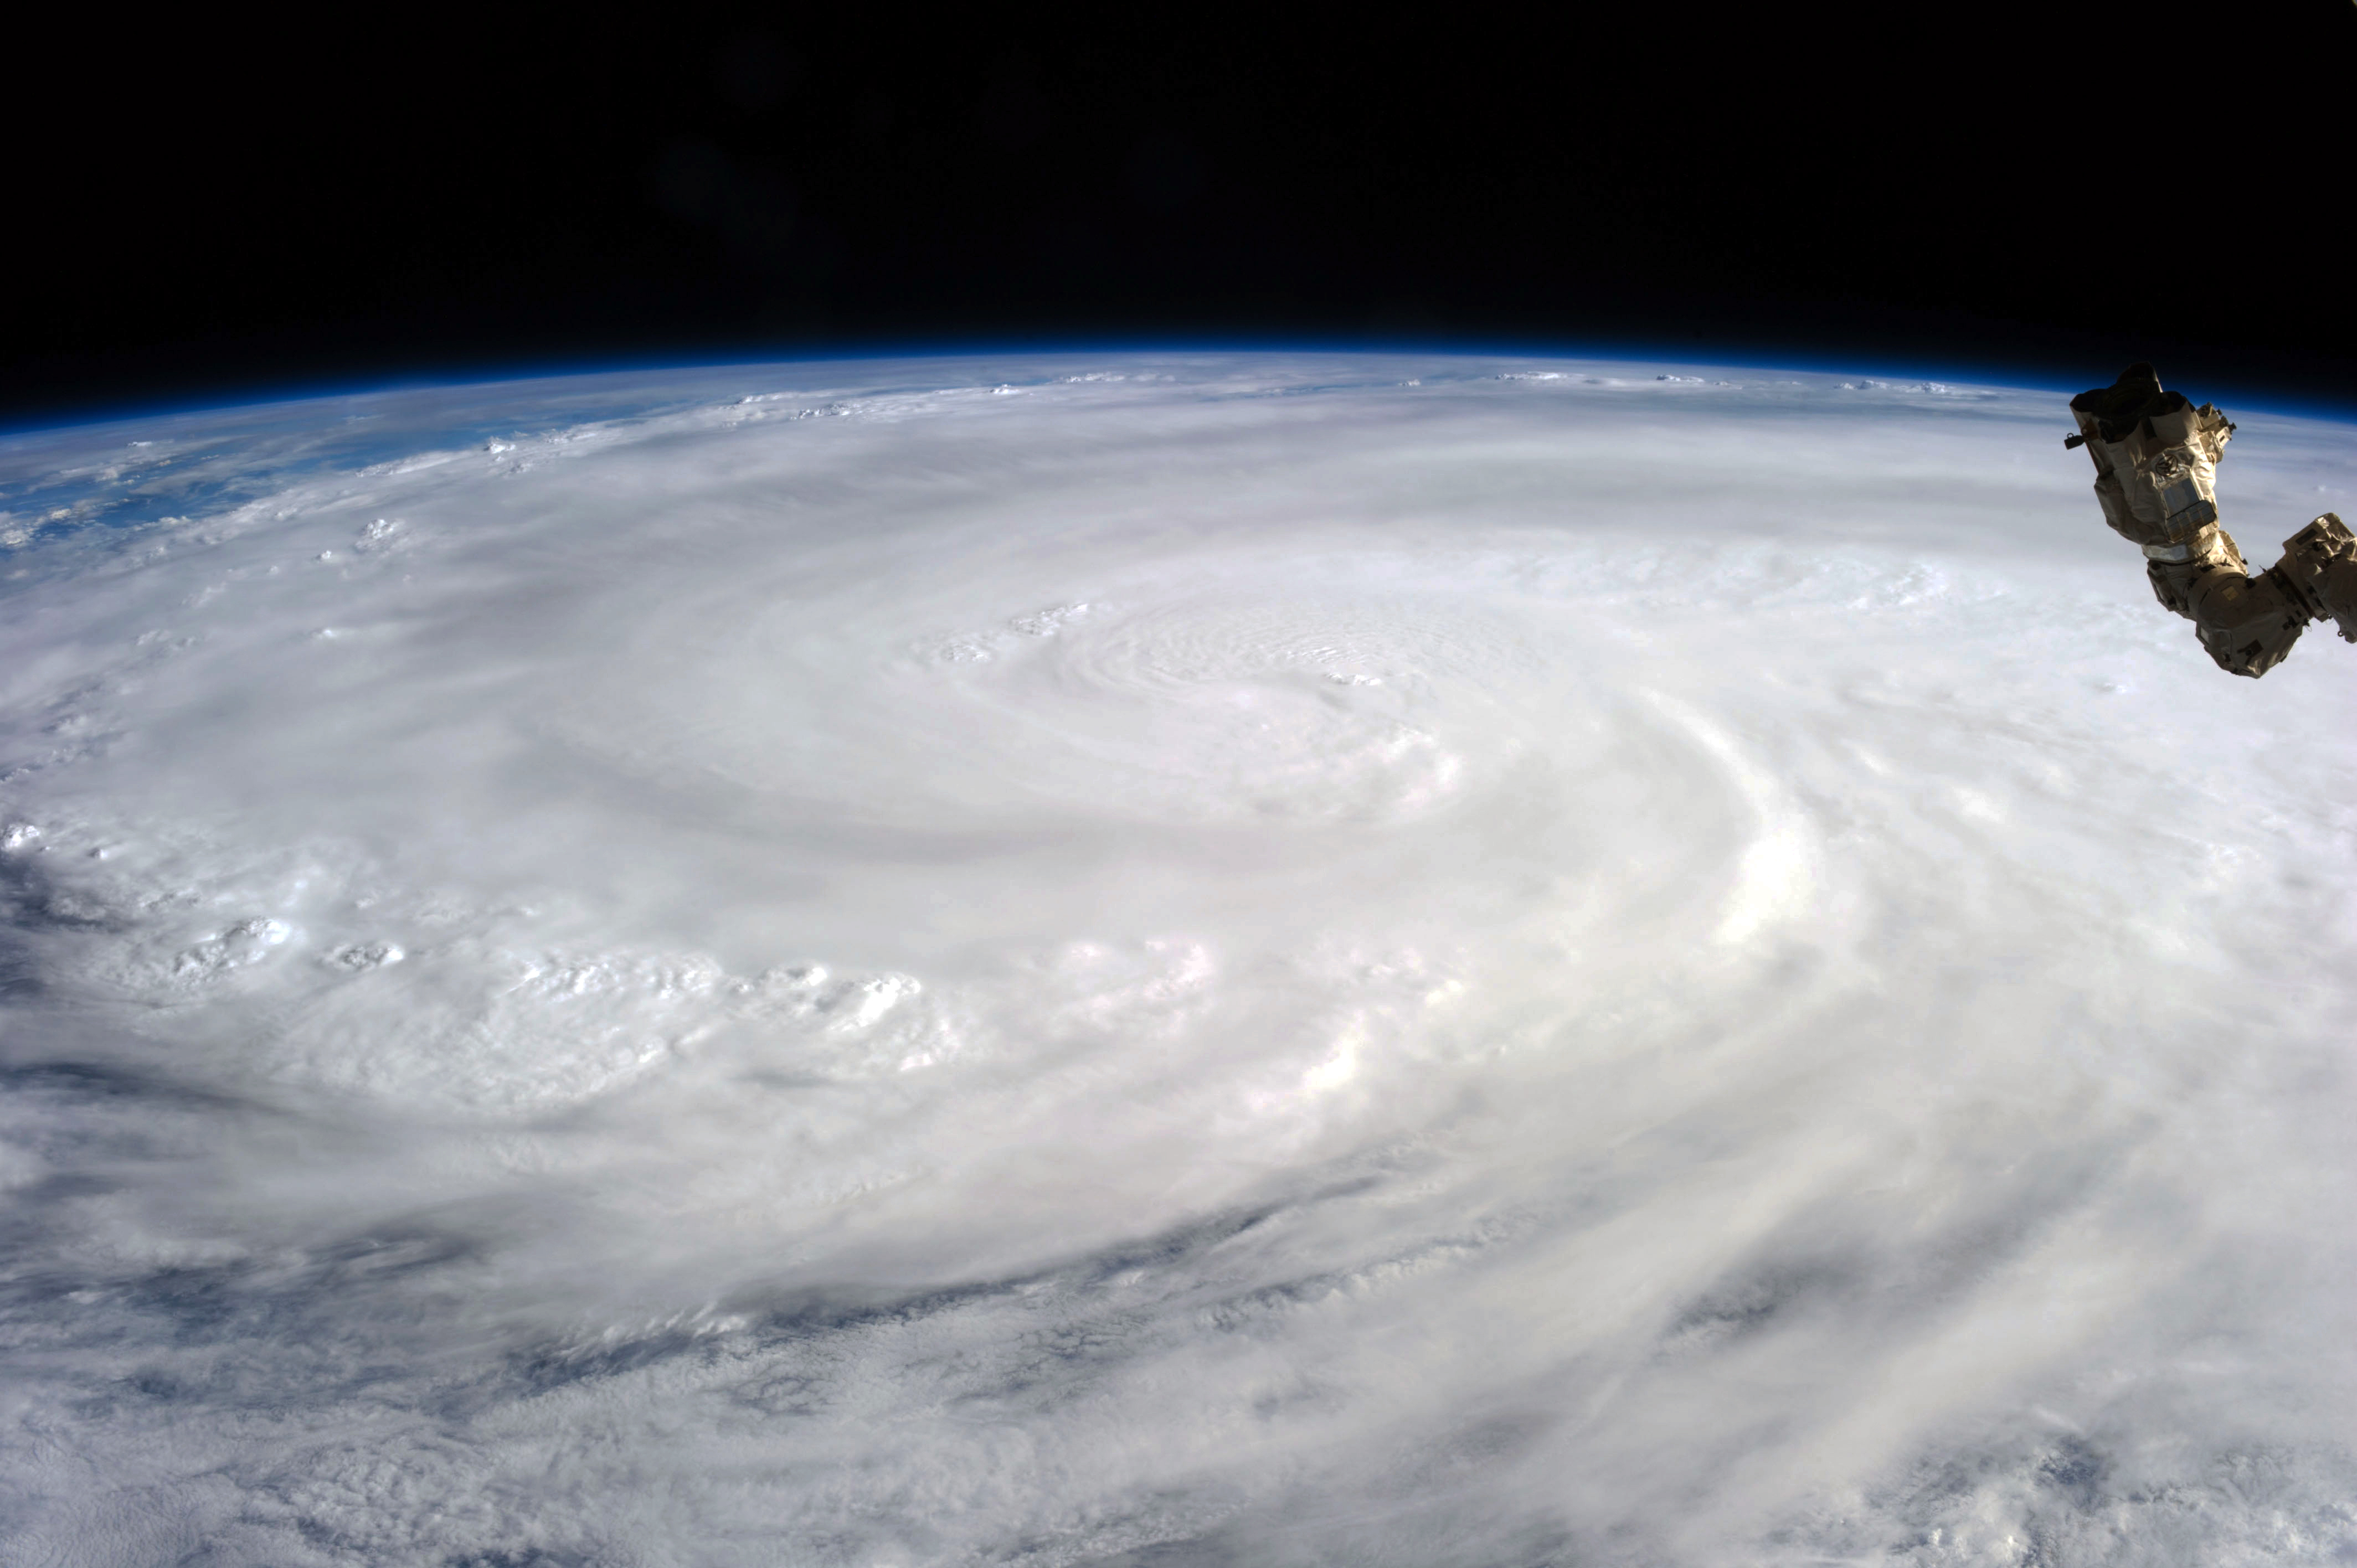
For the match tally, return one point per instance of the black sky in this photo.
(2058, 188)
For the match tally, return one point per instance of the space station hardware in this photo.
(2156, 475)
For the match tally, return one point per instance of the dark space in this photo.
(201, 214)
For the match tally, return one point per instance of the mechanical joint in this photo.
(2320, 568)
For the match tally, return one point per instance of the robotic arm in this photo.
(2155, 472)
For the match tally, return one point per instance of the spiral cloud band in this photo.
(1175, 959)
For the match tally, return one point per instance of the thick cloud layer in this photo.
(1191, 959)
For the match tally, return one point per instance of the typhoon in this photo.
(1265, 959)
